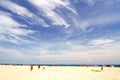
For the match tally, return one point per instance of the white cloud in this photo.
(10, 30)
(6, 21)
(72, 52)
(100, 20)
(28, 16)
(47, 7)
(101, 41)
(15, 8)
(12, 53)
(90, 2)
(76, 53)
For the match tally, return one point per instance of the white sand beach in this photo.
(58, 73)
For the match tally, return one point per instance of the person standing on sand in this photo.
(31, 67)
(38, 66)
(43, 67)
(102, 68)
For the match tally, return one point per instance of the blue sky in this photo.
(60, 31)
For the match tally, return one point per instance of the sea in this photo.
(75, 65)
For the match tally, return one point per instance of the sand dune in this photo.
(58, 73)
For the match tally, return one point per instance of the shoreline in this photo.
(81, 65)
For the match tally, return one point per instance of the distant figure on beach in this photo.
(31, 67)
(102, 68)
(43, 67)
(38, 66)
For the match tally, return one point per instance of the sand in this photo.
(58, 73)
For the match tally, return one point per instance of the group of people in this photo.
(31, 67)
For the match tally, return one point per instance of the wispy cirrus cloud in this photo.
(12, 55)
(101, 41)
(69, 51)
(100, 20)
(23, 12)
(82, 42)
(90, 2)
(47, 8)
(11, 30)
(11, 52)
